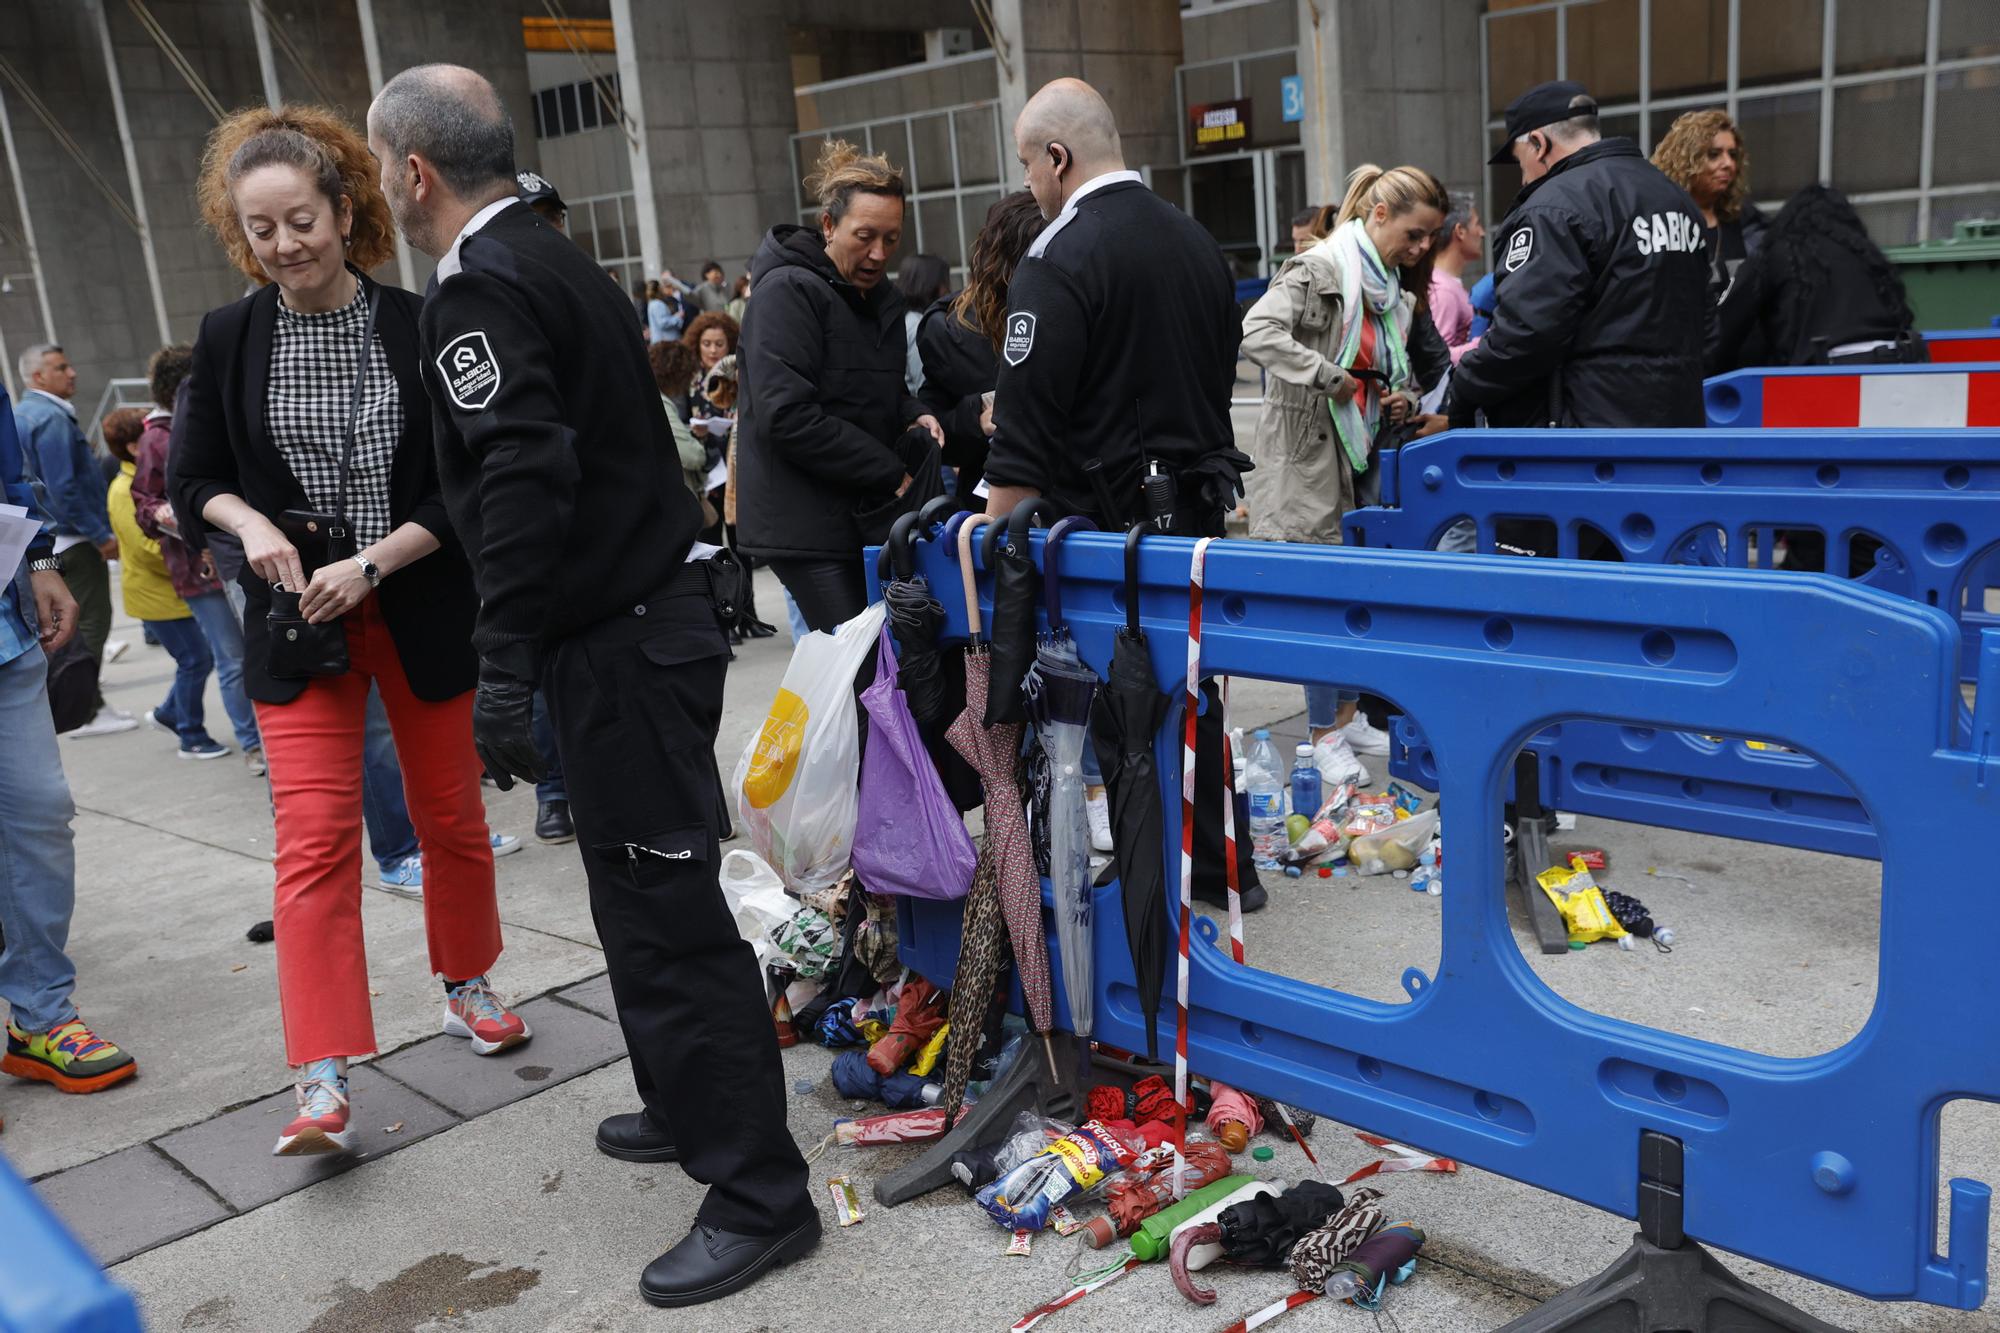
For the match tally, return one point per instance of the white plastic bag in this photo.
(1397, 847)
(795, 784)
(757, 902)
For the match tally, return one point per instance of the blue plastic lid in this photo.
(1262, 733)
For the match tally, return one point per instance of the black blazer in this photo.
(221, 447)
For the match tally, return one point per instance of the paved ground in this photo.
(494, 1213)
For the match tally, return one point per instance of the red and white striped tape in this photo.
(1193, 708)
(1945, 399)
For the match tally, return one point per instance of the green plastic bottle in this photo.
(1149, 1242)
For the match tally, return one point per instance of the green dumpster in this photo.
(1953, 283)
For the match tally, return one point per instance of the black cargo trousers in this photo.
(636, 700)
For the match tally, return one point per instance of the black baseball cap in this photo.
(533, 188)
(1543, 104)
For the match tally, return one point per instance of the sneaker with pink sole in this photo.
(321, 1124)
(472, 1009)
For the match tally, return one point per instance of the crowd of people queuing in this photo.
(375, 519)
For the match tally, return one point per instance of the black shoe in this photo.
(634, 1137)
(757, 629)
(710, 1264)
(552, 823)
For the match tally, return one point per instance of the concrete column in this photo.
(1391, 84)
(1127, 51)
(1323, 132)
(712, 96)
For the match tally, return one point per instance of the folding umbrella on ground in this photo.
(1124, 718)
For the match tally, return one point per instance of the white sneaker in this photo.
(109, 721)
(1336, 762)
(1097, 809)
(504, 844)
(1363, 737)
(115, 649)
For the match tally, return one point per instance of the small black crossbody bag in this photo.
(300, 650)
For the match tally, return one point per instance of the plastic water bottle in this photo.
(1305, 783)
(1267, 803)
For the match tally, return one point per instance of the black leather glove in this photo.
(503, 733)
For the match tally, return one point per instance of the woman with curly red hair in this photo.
(307, 436)
(1703, 153)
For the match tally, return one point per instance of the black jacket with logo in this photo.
(1120, 346)
(820, 402)
(1602, 302)
(559, 469)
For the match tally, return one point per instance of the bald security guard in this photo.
(1119, 351)
(563, 482)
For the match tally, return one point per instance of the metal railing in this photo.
(117, 393)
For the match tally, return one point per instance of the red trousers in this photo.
(313, 746)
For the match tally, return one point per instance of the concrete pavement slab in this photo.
(164, 970)
(567, 1041)
(594, 995)
(231, 1154)
(129, 1201)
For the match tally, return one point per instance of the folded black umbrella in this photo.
(1124, 718)
(1261, 1231)
(933, 682)
(1015, 584)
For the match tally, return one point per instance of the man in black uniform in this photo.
(1119, 350)
(561, 478)
(1600, 279)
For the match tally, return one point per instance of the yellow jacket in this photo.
(142, 574)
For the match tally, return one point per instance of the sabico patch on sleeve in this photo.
(1020, 339)
(1520, 248)
(470, 371)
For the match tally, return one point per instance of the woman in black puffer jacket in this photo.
(824, 421)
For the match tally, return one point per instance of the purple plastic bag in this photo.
(908, 836)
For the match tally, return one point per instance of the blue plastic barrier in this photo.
(52, 1286)
(1852, 397)
(1826, 1166)
(1702, 498)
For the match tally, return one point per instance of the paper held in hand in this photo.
(16, 531)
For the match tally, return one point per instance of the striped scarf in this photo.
(1375, 326)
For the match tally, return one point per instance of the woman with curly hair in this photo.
(307, 436)
(710, 394)
(958, 340)
(1703, 153)
(826, 430)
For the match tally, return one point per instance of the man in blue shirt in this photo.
(72, 492)
(46, 1041)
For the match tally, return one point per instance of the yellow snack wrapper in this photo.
(1581, 903)
(846, 1200)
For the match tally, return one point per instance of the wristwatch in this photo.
(48, 564)
(369, 570)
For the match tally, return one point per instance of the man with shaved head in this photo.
(563, 482)
(1116, 364)
(1119, 350)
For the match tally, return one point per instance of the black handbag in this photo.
(298, 649)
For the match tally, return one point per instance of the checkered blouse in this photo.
(313, 361)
